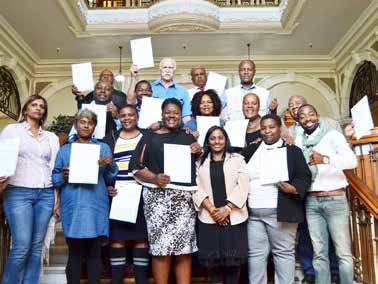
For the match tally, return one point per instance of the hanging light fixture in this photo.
(249, 50)
(120, 77)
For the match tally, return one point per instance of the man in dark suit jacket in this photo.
(106, 75)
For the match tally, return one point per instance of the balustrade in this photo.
(148, 3)
(363, 200)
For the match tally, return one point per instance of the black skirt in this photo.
(222, 245)
(124, 231)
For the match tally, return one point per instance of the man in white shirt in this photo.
(328, 154)
(247, 70)
(304, 248)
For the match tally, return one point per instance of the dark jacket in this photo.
(289, 206)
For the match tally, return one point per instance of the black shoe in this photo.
(309, 279)
(335, 279)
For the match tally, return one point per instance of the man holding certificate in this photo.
(82, 177)
(166, 88)
(279, 179)
(164, 162)
(106, 76)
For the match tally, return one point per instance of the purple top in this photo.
(35, 155)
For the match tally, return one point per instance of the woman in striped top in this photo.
(123, 143)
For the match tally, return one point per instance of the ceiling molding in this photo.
(324, 65)
(163, 18)
(357, 35)
(15, 47)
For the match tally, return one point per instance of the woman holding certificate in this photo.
(84, 199)
(279, 179)
(123, 144)
(164, 162)
(29, 194)
(223, 184)
(204, 103)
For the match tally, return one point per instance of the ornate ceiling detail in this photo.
(183, 16)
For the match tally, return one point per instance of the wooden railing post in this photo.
(363, 200)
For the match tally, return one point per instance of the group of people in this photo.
(226, 213)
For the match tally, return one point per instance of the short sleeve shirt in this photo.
(173, 91)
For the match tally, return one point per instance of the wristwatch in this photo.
(325, 160)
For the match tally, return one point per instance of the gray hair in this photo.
(85, 113)
(167, 59)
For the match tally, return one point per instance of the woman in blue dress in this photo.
(84, 207)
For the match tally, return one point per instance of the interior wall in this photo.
(62, 102)
(284, 91)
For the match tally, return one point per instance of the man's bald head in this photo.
(247, 70)
(107, 75)
(199, 76)
(294, 103)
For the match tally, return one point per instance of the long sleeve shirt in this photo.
(330, 176)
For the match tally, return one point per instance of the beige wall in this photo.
(284, 90)
(61, 102)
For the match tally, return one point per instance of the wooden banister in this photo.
(363, 200)
(363, 192)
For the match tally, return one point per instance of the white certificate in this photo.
(273, 166)
(178, 162)
(84, 163)
(126, 203)
(236, 130)
(362, 119)
(150, 111)
(203, 125)
(82, 76)
(216, 82)
(234, 104)
(8, 156)
(141, 52)
(100, 111)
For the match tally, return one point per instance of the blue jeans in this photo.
(328, 216)
(28, 211)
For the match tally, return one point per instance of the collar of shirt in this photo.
(313, 134)
(250, 88)
(278, 144)
(160, 82)
(94, 102)
(26, 125)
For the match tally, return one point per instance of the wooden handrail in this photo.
(363, 192)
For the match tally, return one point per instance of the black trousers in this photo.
(89, 249)
(224, 274)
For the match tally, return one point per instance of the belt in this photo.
(335, 192)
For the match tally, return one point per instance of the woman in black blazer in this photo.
(275, 209)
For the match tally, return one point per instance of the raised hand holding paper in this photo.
(361, 115)
(82, 76)
(141, 52)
